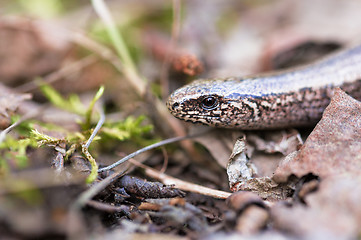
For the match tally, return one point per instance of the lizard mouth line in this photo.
(197, 117)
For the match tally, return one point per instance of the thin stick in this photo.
(165, 161)
(108, 208)
(155, 145)
(85, 149)
(183, 185)
(97, 128)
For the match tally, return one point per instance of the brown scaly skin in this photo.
(295, 97)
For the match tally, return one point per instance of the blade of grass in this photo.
(131, 73)
(173, 42)
(129, 68)
(89, 111)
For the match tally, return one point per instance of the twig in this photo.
(165, 161)
(97, 128)
(183, 185)
(93, 174)
(146, 206)
(155, 145)
(108, 208)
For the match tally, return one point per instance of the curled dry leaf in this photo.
(267, 148)
(243, 174)
(220, 142)
(239, 168)
(266, 188)
(334, 146)
(283, 141)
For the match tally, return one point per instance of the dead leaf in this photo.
(30, 48)
(334, 146)
(243, 173)
(266, 188)
(282, 141)
(239, 168)
(333, 211)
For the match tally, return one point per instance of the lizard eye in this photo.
(209, 103)
(175, 106)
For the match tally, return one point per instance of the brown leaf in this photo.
(334, 146)
(334, 210)
(30, 48)
(243, 174)
(277, 141)
(265, 187)
(267, 148)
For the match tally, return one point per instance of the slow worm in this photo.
(295, 97)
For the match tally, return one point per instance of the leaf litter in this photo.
(312, 182)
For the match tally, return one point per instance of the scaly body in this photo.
(295, 97)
